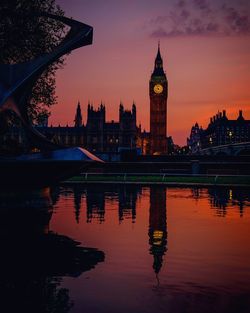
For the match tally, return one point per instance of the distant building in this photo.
(143, 141)
(98, 135)
(102, 137)
(194, 141)
(220, 131)
(110, 137)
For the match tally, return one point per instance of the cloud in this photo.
(202, 5)
(181, 3)
(203, 18)
(238, 23)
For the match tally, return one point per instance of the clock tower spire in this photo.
(158, 92)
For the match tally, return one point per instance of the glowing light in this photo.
(230, 194)
(157, 237)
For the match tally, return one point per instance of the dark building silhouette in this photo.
(128, 130)
(77, 202)
(109, 138)
(220, 131)
(97, 199)
(95, 204)
(96, 120)
(222, 199)
(194, 141)
(106, 137)
(127, 202)
(158, 92)
(78, 117)
(157, 225)
(143, 141)
(98, 135)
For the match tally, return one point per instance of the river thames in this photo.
(146, 249)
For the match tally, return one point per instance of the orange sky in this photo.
(208, 70)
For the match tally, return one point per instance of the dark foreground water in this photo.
(104, 248)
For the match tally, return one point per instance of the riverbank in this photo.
(218, 180)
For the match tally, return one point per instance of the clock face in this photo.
(158, 88)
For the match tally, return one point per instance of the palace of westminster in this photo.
(109, 139)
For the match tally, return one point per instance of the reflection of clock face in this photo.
(158, 88)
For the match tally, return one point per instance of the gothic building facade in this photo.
(102, 137)
(98, 135)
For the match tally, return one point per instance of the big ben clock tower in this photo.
(158, 92)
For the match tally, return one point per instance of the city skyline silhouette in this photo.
(207, 68)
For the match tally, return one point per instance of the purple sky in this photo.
(204, 44)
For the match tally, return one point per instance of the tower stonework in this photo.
(78, 116)
(158, 92)
(127, 127)
(96, 120)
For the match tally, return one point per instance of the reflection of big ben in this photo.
(158, 92)
(157, 225)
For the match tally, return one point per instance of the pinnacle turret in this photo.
(158, 69)
(78, 116)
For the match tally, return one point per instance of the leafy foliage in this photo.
(25, 36)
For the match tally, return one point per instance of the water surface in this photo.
(146, 249)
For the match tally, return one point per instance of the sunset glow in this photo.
(206, 53)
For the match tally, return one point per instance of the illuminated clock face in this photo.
(158, 88)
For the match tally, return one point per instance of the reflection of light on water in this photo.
(157, 237)
(230, 194)
(200, 276)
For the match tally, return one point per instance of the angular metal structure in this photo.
(17, 80)
(53, 164)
